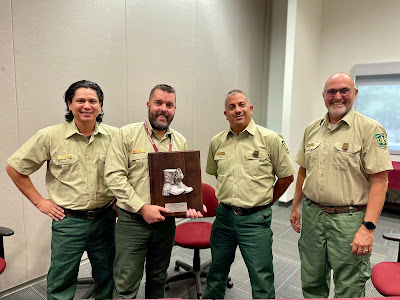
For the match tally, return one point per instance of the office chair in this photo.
(4, 231)
(196, 236)
(386, 275)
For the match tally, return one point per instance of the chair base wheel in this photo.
(229, 284)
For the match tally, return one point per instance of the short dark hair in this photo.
(69, 94)
(165, 88)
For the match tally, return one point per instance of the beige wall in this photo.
(202, 48)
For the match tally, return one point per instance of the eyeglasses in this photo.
(343, 92)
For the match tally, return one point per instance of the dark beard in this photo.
(157, 126)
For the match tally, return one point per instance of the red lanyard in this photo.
(152, 141)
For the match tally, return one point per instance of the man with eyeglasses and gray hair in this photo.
(344, 162)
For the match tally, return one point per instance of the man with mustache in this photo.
(142, 233)
(254, 169)
(344, 163)
(80, 203)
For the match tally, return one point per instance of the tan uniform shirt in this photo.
(127, 168)
(246, 165)
(75, 164)
(338, 161)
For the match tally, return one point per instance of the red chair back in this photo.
(2, 265)
(209, 200)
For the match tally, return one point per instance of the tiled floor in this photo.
(286, 264)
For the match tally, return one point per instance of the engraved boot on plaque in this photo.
(178, 180)
(170, 186)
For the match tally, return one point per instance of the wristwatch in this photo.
(369, 225)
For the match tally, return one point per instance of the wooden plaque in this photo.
(189, 163)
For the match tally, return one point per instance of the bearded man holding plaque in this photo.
(142, 232)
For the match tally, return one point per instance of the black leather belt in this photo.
(132, 215)
(339, 209)
(244, 211)
(88, 214)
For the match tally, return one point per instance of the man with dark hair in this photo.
(344, 161)
(254, 169)
(80, 204)
(142, 233)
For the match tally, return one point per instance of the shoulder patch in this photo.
(380, 140)
(285, 147)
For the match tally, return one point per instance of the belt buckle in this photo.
(90, 215)
(237, 210)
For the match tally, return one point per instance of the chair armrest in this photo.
(4, 231)
(392, 236)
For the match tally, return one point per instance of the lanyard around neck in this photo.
(152, 141)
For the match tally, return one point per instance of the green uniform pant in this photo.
(324, 245)
(137, 242)
(253, 234)
(70, 238)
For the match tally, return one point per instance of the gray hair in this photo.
(236, 92)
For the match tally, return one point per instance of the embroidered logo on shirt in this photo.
(220, 153)
(60, 157)
(380, 140)
(256, 153)
(345, 146)
(136, 151)
(285, 147)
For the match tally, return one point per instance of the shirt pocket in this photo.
(257, 163)
(346, 156)
(311, 154)
(64, 167)
(223, 162)
(138, 163)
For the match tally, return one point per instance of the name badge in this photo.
(136, 151)
(64, 157)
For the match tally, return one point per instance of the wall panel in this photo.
(160, 50)
(11, 212)
(229, 54)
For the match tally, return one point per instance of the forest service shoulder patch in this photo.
(380, 140)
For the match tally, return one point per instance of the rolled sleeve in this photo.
(376, 153)
(31, 155)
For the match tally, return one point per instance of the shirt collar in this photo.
(347, 119)
(72, 129)
(251, 128)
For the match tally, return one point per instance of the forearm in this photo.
(298, 194)
(25, 185)
(281, 186)
(376, 197)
